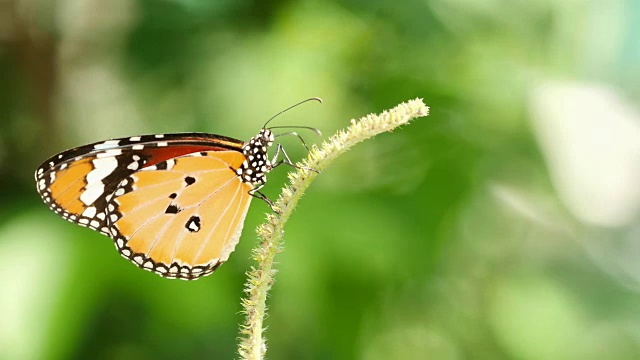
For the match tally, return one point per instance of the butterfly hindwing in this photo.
(182, 217)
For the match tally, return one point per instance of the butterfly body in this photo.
(173, 204)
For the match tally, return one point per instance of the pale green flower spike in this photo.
(259, 280)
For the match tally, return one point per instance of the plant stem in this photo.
(259, 280)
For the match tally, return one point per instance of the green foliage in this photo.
(457, 237)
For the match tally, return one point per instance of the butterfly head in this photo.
(265, 136)
(256, 165)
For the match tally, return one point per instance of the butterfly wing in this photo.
(76, 183)
(84, 185)
(182, 217)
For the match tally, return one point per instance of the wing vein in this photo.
(175, 250)
(209, 236)
(160, 233)
(64, 191)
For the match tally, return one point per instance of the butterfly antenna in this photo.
(291, 107)
(315, 130)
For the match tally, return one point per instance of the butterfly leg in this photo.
(275, 162)
(256, 193)
(293, 133)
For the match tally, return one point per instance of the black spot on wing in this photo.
(190, 180)
(173, 196)
(193, 224)
(172, 209)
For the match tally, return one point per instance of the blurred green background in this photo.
(503, 226)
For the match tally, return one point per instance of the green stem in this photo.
(259, 280)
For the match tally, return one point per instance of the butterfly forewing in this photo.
(181, 217)
(76, 184)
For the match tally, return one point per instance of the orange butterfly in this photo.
(174, 204)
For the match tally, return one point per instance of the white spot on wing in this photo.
(102, 168)
(89, 212)
(109, 153)
(107, 144)
(91, 194)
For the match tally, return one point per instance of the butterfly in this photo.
(174, 204)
